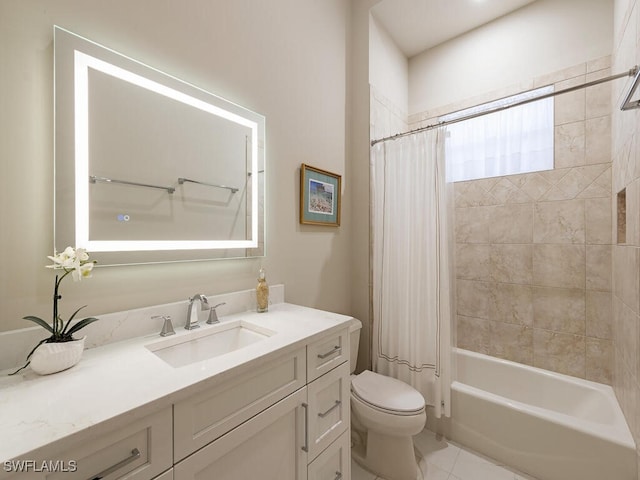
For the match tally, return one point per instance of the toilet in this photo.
(385, 414)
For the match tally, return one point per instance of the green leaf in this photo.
(40, 322)
(63, 332)
(81, 324)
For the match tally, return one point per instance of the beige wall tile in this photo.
(559, 309)
(513, 342)
(629, 338)
(598, 140)
(472, 298)
(598, 221)
(633, 213)
(471, 194)
(472, 224)
(505, 191)
(569, 107)
(511, 263)
(561, 75)
(598, 97)
(626, 275)
(535, 185)
(559, 352)
(473, 261)
(559, 265)
(511, 224)
(569, 145)
(599, 354)
(511, 303)
(559, 222)
(473, 334)
(598, 267)
(572, 184)
(599, 314)
(599, 64)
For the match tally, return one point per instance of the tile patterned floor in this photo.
(443, 460)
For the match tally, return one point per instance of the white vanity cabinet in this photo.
(206, 416)
(268, 446)
(284, 417)
(303, 434)
(139, 450)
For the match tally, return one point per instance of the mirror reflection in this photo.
(148, 167)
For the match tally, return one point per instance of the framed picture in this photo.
(319, 196)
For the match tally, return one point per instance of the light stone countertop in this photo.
(127, 378)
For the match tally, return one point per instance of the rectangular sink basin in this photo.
(208, 342)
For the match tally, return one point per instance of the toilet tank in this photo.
(354, 342)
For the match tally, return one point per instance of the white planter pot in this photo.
(54, 357)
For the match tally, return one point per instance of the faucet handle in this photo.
(167, 327)
(213, 315)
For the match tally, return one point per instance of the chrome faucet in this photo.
(192, 315)
(213, 315)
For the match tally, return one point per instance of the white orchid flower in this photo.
(66, 259)
(82, 255)
(83, 271)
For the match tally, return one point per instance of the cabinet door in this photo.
(267, 447)
(334, 463)
(329, 408)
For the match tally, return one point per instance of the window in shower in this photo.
(510, 141)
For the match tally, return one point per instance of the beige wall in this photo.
(285, 59)
(626, 255)
(544, 36)
(533, 251)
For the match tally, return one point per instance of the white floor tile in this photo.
(436, 450)
(470, 466)
(432, 472)
(359, 473)
(524, 476)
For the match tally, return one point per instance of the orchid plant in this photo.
(75, 262)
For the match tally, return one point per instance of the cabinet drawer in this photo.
(329, 408)
(269, 446)
(334, 463)
(139, 451)
(208, 415)
(327, 353)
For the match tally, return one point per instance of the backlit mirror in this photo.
(148, 167)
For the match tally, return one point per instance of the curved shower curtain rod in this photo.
(627, 104)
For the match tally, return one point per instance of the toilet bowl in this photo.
(385, 414)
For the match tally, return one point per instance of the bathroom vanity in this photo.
(273, 407)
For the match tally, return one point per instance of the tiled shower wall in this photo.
(533, 251)
(626, 252)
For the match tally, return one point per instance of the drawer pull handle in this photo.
(305, 448)
(338, 476)
(135, 454)
(335, 405)
(335, 349)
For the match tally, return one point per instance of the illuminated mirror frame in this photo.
(74, 56)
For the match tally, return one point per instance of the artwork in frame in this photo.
(319, 196)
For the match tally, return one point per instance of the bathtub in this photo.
(549, 425)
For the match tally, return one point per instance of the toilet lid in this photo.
(387, 393)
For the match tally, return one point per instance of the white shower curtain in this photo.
(412, 264)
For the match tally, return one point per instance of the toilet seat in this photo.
(386, 394)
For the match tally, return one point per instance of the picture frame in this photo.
(320, 196)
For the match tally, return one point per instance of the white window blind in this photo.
(515, 140)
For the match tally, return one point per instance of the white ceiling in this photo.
(417, 25)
